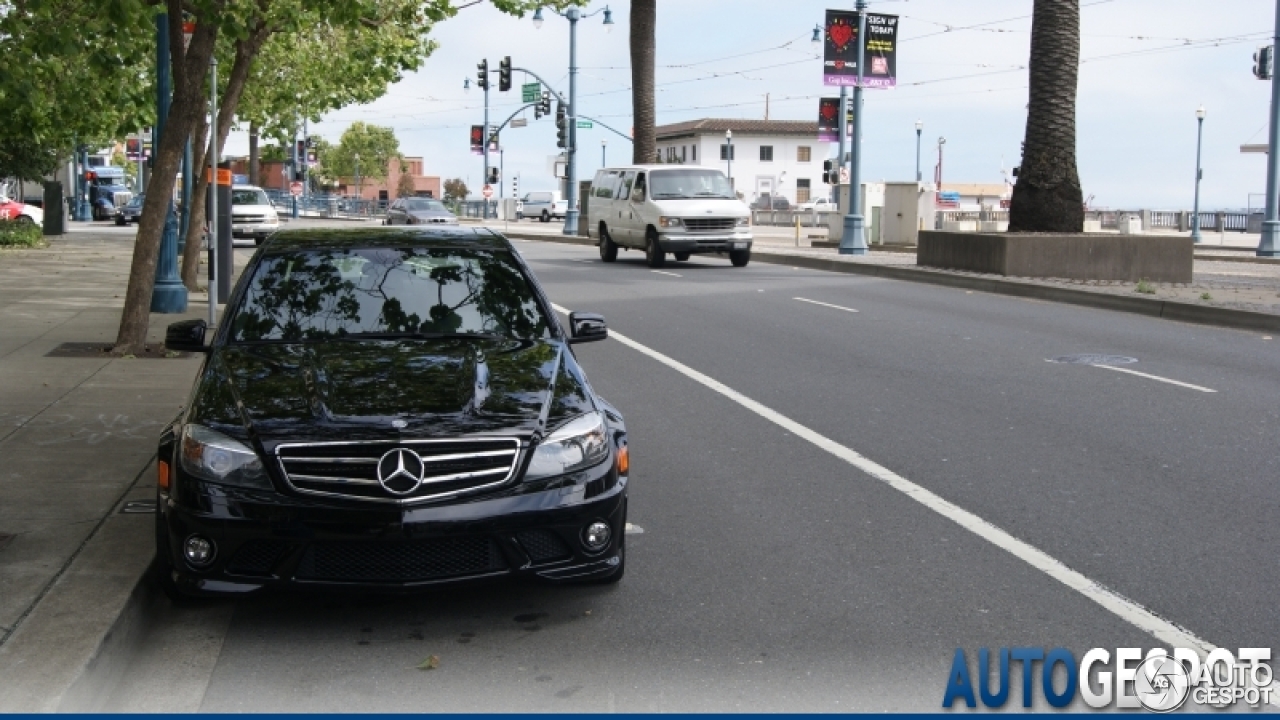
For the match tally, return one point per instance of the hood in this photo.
(354, 390)
(702, 207)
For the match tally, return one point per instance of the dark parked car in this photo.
(132, 212)
(389, 409)
(419, 211)
(771, 202)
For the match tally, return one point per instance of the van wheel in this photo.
(653, 254)
(546, 216)
(739, 258)
(681, 256)
(608, 250)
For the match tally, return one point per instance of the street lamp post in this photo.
(1269, 243)
(168, 295)
(853, 241)
(604, 153)
(573, 15)
(359, 195)
(919, 132)
(1195, 209)
(728, 155)
(937, 175)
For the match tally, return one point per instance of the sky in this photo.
(1146, 66)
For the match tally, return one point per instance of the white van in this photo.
(677, 209)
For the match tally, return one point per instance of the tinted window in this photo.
(249, 197)
(424, 204)
(315, 295)
(624, 190)
(690, 183)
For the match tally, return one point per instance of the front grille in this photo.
(121, 198)
(350, 469)
(400, 562)
(710, 224)
(543, 546)
(257, 557)
(248, 218)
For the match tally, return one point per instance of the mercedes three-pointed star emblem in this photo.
(400, 471)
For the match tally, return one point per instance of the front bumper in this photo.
(253, 229)
(681, 241)
(269, 539)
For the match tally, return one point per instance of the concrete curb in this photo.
(563, 239)
(1167, 309)
(1246, 259)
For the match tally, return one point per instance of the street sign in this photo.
(295, 189)
(487, 192)
(844, 174)
(585, 124)
(840, 50)
(531, 92)
(519, 122)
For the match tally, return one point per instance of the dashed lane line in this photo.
(815, 302)
(1179, 383)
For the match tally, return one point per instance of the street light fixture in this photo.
(919, 131)
(466, 85)
(573, 15)
(817, 34)
(1195, 210)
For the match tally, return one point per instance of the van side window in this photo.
(624, 191)
(637, 194)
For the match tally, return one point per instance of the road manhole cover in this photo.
(1090, 359)
(4, 540)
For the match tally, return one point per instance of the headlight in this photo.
(212, 456)
(577, 444)
(669, 222)
(744, 222)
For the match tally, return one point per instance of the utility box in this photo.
(873, 198)
(55, 217)
(908, 208)
(1130, 224)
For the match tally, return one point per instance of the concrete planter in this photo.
(1126, 258)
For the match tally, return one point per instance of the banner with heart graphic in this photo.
(840, 57)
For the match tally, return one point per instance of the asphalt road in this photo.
(772, 574)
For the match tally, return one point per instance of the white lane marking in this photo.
(1157, 377)
(815, 302)
(664, 272)
(634, 529)
(1167, 632)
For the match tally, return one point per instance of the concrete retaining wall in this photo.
(1076, 257)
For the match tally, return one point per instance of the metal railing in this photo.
(787, 218)
(328, 206)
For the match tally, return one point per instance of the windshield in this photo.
(101, 181)
(318, 295)
(137, 201)
(675, 184)
(424, 204)
(252, 196)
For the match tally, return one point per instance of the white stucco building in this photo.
(779, 157)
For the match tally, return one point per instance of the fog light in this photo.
(596, 536)
(199, 551)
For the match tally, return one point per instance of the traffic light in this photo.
(1262, 62)
(544, 107)
(515, 186)
(492, 179)
(302, 150)
(562, 126)
(504, 74)
(482, 74)
(826, 173)
(311, 142)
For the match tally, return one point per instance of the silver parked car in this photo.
(419, 211)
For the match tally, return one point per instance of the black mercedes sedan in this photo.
(389, 409)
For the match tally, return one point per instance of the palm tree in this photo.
(644, 15)
(1047, 197)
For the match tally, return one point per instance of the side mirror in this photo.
(587, 327)
(186, 336)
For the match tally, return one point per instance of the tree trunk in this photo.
(199, 194)
(1047, 196)
(255, 163)
(189, 69)
(643, 46)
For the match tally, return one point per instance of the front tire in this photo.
(546, 216)
(739, 258)
(608, 249)
(653, 254)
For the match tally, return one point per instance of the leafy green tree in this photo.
(404, 187)
(455, 189)
(372, 144)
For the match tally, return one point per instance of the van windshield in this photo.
(689, 184)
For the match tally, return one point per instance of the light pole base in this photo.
(571, 222)
(853, 241)
(84, 213)
(1195, 237)
(1269, 245)
(169, 295)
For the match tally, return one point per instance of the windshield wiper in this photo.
(713, 194)
(419, 336)
(673, 196)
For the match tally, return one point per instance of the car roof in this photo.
(451, 236)
(658, 167)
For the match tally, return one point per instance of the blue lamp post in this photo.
(573, 15)
(853, 241)
(1195, 210)
(169, 294)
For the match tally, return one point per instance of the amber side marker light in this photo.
(162, 474)
(624, 460)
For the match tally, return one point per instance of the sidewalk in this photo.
(1222, 286)
(77, 439)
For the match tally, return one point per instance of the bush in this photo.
(20, 234)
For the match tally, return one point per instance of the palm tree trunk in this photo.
(643, 45)
(1047, 197)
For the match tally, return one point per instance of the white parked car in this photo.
(818, 204)
(545, 206)
(252, 214)
(663, 209)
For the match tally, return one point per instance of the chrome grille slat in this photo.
(349, 469)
